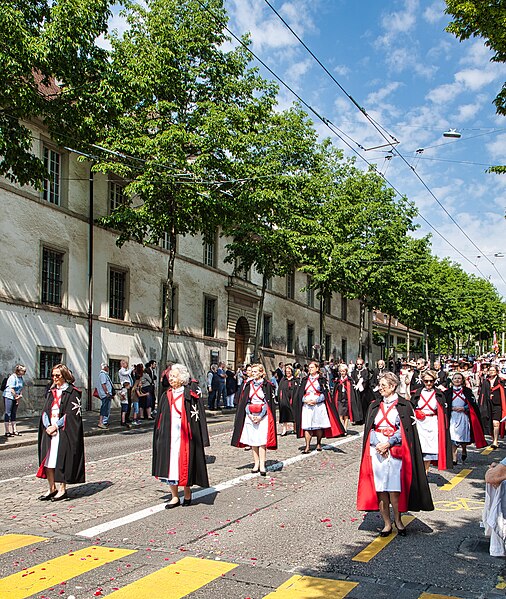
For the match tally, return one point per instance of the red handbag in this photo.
(255, 408)
(396, 452)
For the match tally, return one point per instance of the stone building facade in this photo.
(68, 293)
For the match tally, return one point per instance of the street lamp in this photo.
(452, 133)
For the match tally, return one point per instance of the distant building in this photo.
(397, 342)
(51, 247)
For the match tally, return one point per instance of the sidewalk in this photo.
(29, 427)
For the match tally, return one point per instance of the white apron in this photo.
(460, 428)
(175, 433)
(314, 417)
(55, 439)
(386, 471)
(427, 428)
(255, 435)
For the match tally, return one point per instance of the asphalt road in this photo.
(250, 535)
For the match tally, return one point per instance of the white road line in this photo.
(106, 526)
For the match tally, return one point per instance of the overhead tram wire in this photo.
(333, 128)
(381, 130)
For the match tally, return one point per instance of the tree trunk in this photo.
(169, 285)
(322, 326)
(387, 340)
(260, 313)
(361, 329)
(407, 344)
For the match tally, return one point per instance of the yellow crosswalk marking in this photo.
(458, 478)
(10, 542)
(307, 587)
(55, 571)
(379, 543)
(432, 596)
(487, 450)
(183, 577)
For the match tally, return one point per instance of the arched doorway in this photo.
(241, 341)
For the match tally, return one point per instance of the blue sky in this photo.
(415, 80)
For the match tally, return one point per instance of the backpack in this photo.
(3, 386)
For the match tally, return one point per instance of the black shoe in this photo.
(186, 502)
(47, 497)
(60, 497)
(169, 506)
(263, 473)
(255, 470)
(385, 533)
(401, 532)
(306, 451)
(318, 448)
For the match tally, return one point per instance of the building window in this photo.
(267, 330)
(290, 284)
(116, 195)
(310, 342)
(47, 361)
(173, 306)
(209, 316)
(114, 366)
(210, 252)
(52, 183)
(344, 350)
(269, 284)
(327, 303)
(52, 277)
(117, 294)
(328, 346)
(344, 308)
(309, 293)
(290, 337)
(164, 241)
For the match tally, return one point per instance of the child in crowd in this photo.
(123, 396)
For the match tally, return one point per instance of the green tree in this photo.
(276, 168)
(357, 234)
(51, 67)
(184, 107)
(485, 19)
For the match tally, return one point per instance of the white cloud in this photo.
(266, 29)
(379, 95)
(341, 70)
(444, 94)
(467, 112)
(401, 21)
(475, 79)
(434, 12)
(497, 149)
(297, 69)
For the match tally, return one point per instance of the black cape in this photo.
(198, 438)
(240, 415)
(286, 392)
(70, 459)
(418, 495)
(445, 458)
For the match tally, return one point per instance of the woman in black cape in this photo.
(61, 439)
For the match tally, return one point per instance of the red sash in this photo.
(389, 429)
(419, 411)
(311, 385)
(459, 395)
